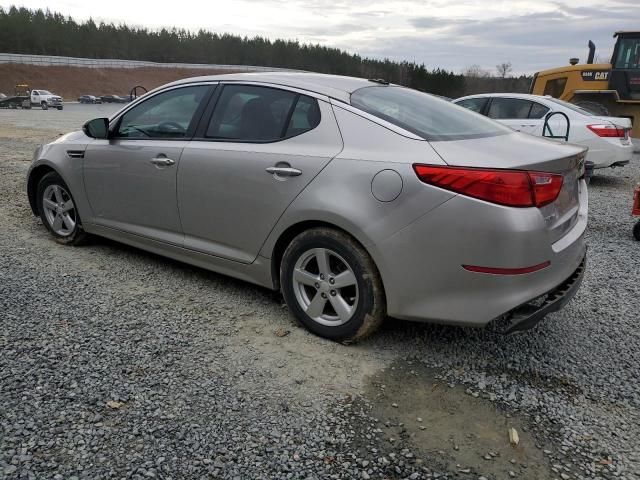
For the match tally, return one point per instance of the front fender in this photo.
(53, 157)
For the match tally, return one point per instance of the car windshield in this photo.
(45, 92)
(571, 106)
(425, 115)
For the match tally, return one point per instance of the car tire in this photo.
(59, 216)
(60, 108)
(44, 105)
(636, 231)
(348, 279)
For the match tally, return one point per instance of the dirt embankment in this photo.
(71, 82)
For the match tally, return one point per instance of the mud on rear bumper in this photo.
(526, 316)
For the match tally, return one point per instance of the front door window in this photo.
(166, 115)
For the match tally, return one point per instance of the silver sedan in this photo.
(356, 198)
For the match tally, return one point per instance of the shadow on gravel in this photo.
(603, 181)
(485, 347)
(128, 253)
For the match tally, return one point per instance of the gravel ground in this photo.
(116, 363)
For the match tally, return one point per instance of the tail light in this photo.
(513, 188)
(608, 131)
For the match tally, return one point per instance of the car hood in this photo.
(72, 137)
(515, 151)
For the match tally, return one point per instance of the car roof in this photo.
(524, 96)
(334, 86)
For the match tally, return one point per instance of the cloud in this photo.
(440, 33)
(531, 41)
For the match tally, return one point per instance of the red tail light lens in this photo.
(608, 131)
(513, 188)
(546, 187)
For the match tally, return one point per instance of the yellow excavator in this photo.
(611, 89)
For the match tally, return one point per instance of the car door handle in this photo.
(162, 161)
(284, 171)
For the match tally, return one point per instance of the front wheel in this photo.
(44, 105)
(636, 231)
(332, 286)
(58, 210)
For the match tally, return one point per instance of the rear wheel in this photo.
(332, 286)
(58, 211)
(636, 231)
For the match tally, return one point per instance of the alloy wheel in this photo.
(59, 210)
(325, 287)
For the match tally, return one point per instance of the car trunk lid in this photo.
(525, 152)
(621, 122)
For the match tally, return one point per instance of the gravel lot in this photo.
(116, 363)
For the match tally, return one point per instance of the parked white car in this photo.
(607, 137)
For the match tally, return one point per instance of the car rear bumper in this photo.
(611, 155)
(421, 266)
(528, 315)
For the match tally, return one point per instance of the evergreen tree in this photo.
(45, 33)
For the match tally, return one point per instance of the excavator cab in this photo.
(625, 66)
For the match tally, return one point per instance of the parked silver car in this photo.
(357, 199)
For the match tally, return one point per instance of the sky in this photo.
(532, 35)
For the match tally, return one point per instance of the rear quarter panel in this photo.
(341, 194)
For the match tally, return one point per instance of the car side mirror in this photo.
(97, 128)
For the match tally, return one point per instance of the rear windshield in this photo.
(571, 106)
(425, 115)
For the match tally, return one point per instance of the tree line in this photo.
(41, 32)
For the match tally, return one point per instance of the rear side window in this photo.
(555, 87)
(473, 104)
(538, 110)
(424, 115)
(248, 113)
(508, 108)
(305, 116)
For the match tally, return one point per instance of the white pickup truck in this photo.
(46, 99)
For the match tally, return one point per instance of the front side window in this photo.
(555, 88)
(509, 108)
(249, 113)
(473, 104)
(424, 115)
(165, 115)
